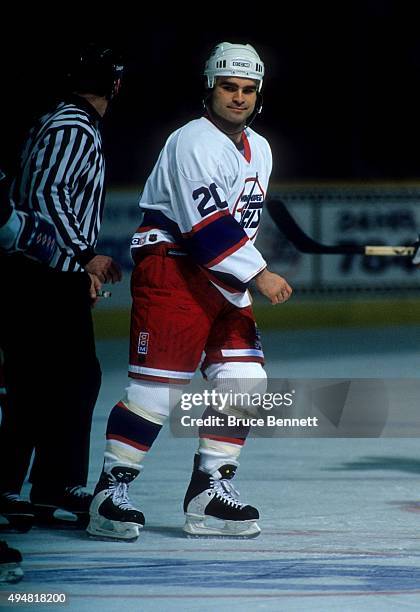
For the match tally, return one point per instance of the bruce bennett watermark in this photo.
(252, 410)
(229, 420)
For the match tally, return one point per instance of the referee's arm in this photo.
(62, 156)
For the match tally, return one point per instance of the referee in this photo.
(51, 370)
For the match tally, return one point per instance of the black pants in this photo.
(52, 375)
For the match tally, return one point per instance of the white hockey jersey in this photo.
(207, 197)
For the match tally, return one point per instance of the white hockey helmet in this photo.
(229, 59)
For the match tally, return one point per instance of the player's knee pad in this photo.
(148, 397)
(239, 385)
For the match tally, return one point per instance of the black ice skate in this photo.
(111, 513)
(212, 496)
(68, 507)
(15, 513)
(10, 560)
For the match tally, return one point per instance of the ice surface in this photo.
(340, 517)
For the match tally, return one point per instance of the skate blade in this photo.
(111, 538)
(10, 573)
(198, 528)
(127, 532)
(16, 523)
(219, 536)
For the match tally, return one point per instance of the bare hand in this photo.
(105, 268)
(95, 286)
(273, 286)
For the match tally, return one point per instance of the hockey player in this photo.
(195, 258)
(29, 233)
(34, 236)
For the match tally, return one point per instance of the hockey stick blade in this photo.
(288, 226)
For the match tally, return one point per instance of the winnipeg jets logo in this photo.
(248, 207)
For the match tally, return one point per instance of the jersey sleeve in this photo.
(62, 157)
(202, 184)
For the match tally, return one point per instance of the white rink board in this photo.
(351, 215)
(330, 215)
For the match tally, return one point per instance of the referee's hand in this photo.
(105, 268)
(95, 287)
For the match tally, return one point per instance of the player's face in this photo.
(233, 99)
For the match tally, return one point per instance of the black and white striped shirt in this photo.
(62, 176)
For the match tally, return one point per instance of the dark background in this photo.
(341, 96)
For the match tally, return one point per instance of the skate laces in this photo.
(225, 491)
(119, 492)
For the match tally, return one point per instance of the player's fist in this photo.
(29, 233)
(37, 238)
(273, 286)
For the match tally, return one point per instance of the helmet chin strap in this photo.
(257, 109)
